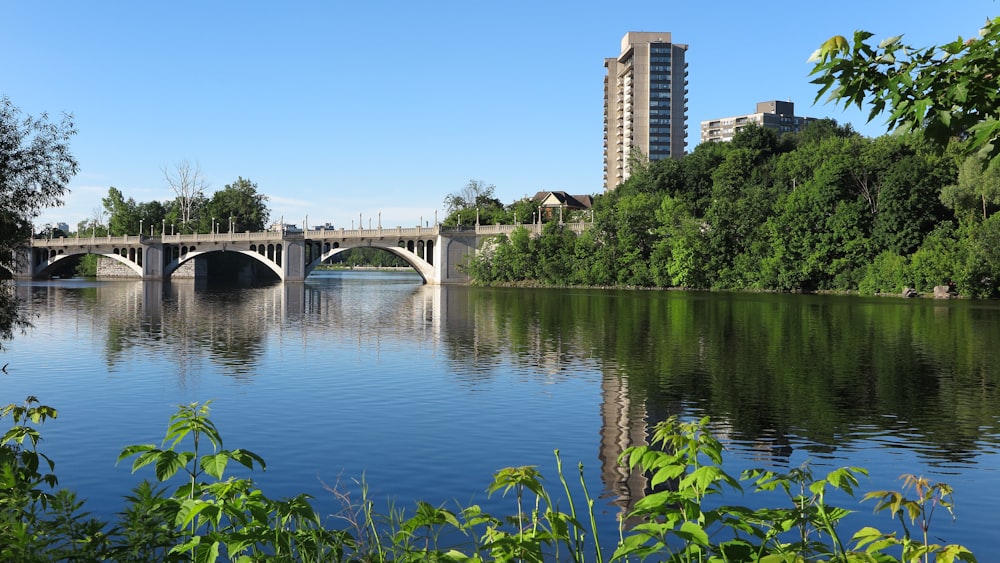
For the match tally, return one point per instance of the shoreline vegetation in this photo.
(535, 284)
(822, 211)
(190, 509)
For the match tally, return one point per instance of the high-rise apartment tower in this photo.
(645, 103)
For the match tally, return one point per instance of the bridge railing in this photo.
(370, 233)
(218, 237)
(534, 228)
(92, 240)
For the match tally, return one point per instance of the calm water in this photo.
(426, 391)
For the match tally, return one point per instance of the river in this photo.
(423, 392)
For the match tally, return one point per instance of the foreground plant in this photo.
(919, 510)
(37, 521)
(211, 516)
(684, 466)
(218, 516)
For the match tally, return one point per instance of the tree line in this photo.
(824, 209)
(237, 207)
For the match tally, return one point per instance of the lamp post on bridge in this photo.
(163, 231)
(140, 228)
(213, 225)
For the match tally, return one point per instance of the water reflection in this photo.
(826, 369)
(778, 374)
(775, 372)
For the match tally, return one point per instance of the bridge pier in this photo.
(293, 268)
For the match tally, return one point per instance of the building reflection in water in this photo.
(623, 425)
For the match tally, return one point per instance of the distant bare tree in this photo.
(188, 184)
(476, 192)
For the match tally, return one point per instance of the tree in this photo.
(123, 215)
(977, 189)
(189, 186)
(948, 90)
(474, 201)
(35, 168)
(239, 202)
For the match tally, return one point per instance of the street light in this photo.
(213, 225)
(140, 227)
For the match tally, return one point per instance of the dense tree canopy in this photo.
(826, 209)
(238, 206)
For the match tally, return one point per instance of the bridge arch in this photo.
(50, 260)
(424, 269)
(192, 252)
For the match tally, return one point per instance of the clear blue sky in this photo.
(337, 109)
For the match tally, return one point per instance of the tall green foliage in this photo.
(806, 212)
(238, 206)
(946, 91)
(35, 168)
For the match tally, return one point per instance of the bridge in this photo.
(436, 253)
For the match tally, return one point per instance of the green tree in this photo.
(909, 206)
(678, 256)
(239, 203)
(555, 249)
(152, 216)
(977, 189)
(698, 168)
(818, 230)
(123, 214)
(35, 168)
(742, 200)
(522, 211)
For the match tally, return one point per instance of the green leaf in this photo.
(189, 509)
(247, 458)
(215, 464)
(889, 41)
(168, 463)
(129, 451)
(691, 531)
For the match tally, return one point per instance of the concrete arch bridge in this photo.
(435, 253)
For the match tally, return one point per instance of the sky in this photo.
(373, 112)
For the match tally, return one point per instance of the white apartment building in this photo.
(773, 114)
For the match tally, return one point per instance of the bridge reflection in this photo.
(186, 323)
